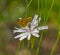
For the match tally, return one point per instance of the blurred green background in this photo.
(11, 10)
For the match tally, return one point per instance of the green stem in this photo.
(38, 8)
(29, 4)
(58, 37)
(49, 11)
(55, 45)
(17, 53)
(26, 8)
(32, 45)
(45, 2)
(41, 37)
(26, 17)
(28, 42)
(43, 32)
(38, 11)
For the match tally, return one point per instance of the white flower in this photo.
(29, 30)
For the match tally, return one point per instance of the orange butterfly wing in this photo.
(23, 22)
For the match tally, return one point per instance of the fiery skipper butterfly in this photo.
(23, 22)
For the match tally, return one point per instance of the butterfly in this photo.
(23, 21)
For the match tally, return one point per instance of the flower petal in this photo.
(24, 29)
(35, 34)
(19, 30)
(35, 18)
(29, 35)
(20, 35)
(36, 30)
(34, 22)
(16, 28)
(42, 27)
(23, 37)
(39, 19)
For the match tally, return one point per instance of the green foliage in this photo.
(48, 10)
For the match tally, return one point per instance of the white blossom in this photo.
(31, 29)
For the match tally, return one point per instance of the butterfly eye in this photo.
(23, 22)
